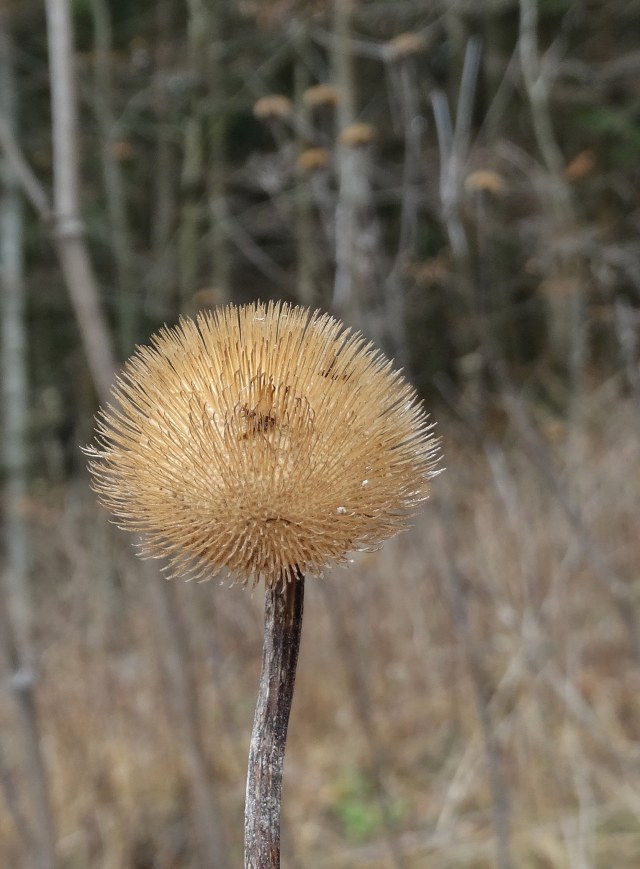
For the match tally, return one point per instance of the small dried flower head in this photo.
(357, 135)
(312, 159)
(404, 45)
(582, 165)
(264, 439)
(321, 95)
(484, 180)
(273, 106)
(207, 297)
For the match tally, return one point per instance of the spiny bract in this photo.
(263, 439)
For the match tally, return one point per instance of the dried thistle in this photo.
(262, 439)
(270, 441)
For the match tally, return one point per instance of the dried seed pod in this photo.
(357, 135)
(321, 95)
(312, 159)
(404, 45)
(273, 106)
(486, 180)
(263, 439)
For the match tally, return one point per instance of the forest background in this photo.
(460, 181)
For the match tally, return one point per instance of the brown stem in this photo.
(282, 629)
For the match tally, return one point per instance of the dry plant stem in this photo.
(282, 630)
(500, 798)
(21, 683)
(598, 559)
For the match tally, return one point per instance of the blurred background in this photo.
(459, 180)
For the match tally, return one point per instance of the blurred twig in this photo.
(21, 683)
(620, 591)
(114, 185)
(174, 648)
(453, 144)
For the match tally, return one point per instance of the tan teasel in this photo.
(264, 439)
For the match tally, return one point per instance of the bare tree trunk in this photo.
(114, 186)
(68, 227)
(342, 62)
(174, 645)
(14, 366)
(15, 645)
(357, 238)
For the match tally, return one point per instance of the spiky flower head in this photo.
(264, 439)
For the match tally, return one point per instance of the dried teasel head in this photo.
(273, 106)
(357, 135)
(404, 45)
(485, 180)
(313, 159)
(262, 439)
(321, 95)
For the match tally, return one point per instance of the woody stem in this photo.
(282, 630)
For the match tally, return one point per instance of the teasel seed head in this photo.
(321, 95)
(264, 439)
(313, 159)
(404, 45)
(485, 180)
(272, 106)
(357, 135)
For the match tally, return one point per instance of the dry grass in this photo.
(544, 650)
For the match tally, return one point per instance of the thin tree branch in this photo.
(68, 227)
(32, 188)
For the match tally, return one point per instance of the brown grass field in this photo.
(475, 675)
